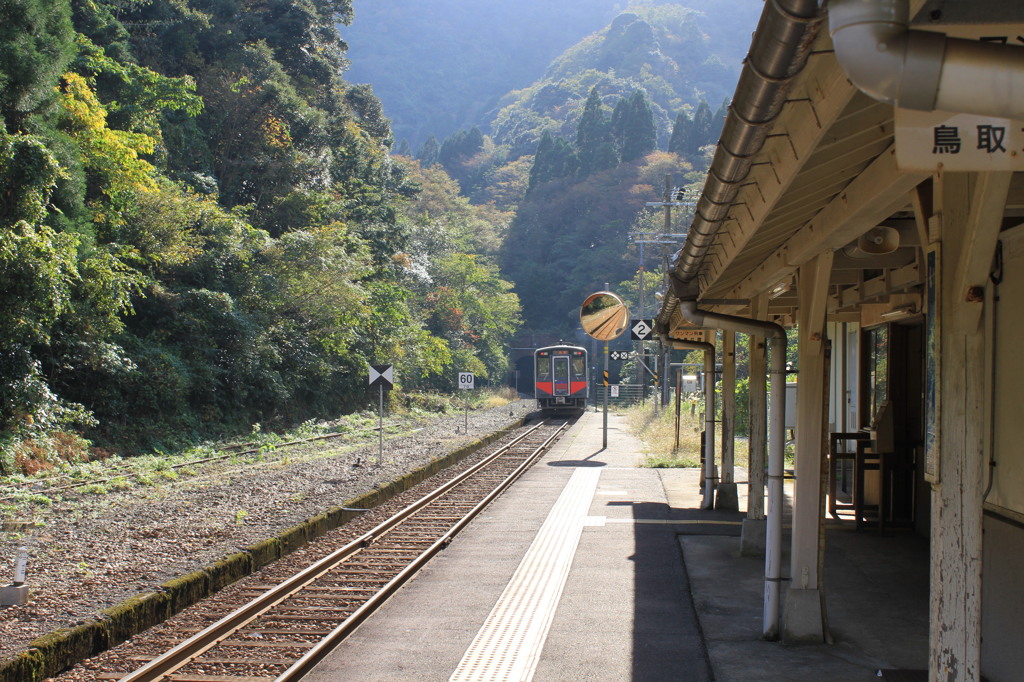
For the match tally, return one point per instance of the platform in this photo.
(594, 568)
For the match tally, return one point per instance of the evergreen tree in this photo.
(719, 117)
(459, 147)
(619, 122)
(556, 158)
(680, 134)
(36, 44)
(593, 138)
(701, 130)
(641, 134)
(403, 148)
(429, 152)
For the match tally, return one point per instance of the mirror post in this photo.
(604, 317)
(604, 436)
(604, 442)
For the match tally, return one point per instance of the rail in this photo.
(163, 666)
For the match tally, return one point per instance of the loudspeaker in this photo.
(879, 240)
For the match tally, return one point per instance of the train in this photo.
(560, 378)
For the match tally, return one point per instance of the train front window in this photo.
(543, 368)
(579, 368)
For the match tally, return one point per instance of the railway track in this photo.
(293, 620)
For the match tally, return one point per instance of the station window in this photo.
(877, 347)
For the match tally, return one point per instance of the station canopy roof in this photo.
(806, 163)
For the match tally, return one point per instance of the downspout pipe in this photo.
(924, 70)
(776, 336)
(708, 499)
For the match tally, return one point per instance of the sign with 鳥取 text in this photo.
(934, 140)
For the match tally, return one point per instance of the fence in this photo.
(629, 394)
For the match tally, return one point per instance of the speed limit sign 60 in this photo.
(466, 380)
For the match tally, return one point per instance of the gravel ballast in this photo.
(94, 548)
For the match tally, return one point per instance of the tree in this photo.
(593, 138)
(459, 147)
(473, 310)
(680, 134)
(701, 130)
(36, 45)
(620, 121)
(640, 136)
(429, 152)
(556, 158)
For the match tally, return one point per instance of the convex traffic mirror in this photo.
(604, 316)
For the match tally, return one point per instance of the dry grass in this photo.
(498, 396)
(657, 429)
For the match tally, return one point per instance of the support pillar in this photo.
(802, 619)
(708, 502)
(728, 498)
(969, 210)
(752, 537)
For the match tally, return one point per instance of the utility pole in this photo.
(665, 238)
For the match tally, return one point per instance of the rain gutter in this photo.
(777, 54)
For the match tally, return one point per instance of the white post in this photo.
(728, 499)
(709, 430)
(758, 392)
(970, 216)
(20, 567)
(803, 619)
(776, 461)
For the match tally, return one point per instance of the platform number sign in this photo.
(640, 330)
(466, 380)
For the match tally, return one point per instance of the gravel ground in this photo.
(92, 550)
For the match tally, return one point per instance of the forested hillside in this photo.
(440, 66)
(446, 65)
(205, 226)
(577, 154)
(660, 49)
(201, 227)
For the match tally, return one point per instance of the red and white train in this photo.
(560, 378)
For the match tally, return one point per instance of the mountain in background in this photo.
(677, 55)
(445, 65)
